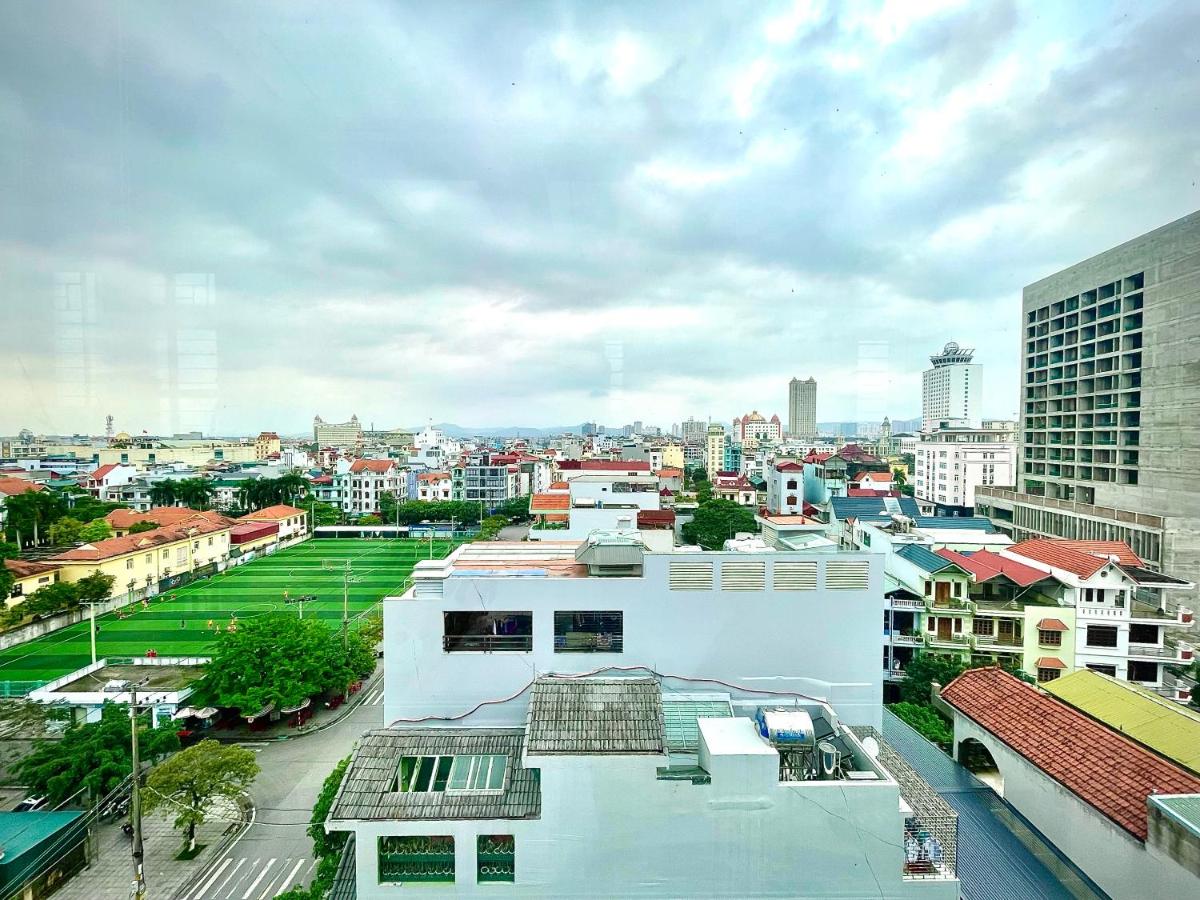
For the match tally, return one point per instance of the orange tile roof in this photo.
(559, 486)
(13, 486)
(985, 566)
(24, 568)
(656, 518)
(273, 513)
(882, 477)
(121, 519)
(134, 543)
(1057, 554)
(1049, 662)
(377, 466)
(1104, 549)
(1099, 765)
(547, 502)
(1052, 625)
(670, 472)
(433, 476)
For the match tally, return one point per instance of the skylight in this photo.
(437, 774)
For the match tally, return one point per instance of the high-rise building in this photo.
(802, 408)
(1109, 439)
(714, 457)
(693, 430)
(337, 434)
(950, 390)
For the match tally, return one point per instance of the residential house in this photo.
(292, 522)
(785, 488)
(736, 487)
(27, 577)
(1129, 819)
(366, 483)
(99, 481)
(433, 486)
(266, 445)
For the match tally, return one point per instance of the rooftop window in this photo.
(436, 774)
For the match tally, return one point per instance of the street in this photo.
(275, 852)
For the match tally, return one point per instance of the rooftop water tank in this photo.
(786, 727)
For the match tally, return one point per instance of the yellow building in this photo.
(266, 444)
(672, 456)
(142, 562)
(27, 578)
(193, 453)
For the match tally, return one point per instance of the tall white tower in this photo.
(951, 389)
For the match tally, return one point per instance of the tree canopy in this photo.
(95, 755)
(279, 658)
(139, 527)
(262, 492)
(59, 596)
(8, 550)
(191, 781)
(412, 512)
(716, 521)
(31, 514)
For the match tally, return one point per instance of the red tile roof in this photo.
(559, 486)
(604, 465)
(1099, 765)
(1052, 625)
(433, 476)
(13, 486)
(1060, 556)
(99, 473)
(24, 568)
(273, 513)
(789, 467)
(880, 477)
(122, 519)
(1105, 549)
(546, 502)
(656, 518)
(134, 543)
(985, 566)
(377, 466)
(1049, 662)
(670, 472)
(870, 492)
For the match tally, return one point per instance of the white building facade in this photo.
(952, 461)
(952, 388)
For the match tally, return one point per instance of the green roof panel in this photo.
(680, 712)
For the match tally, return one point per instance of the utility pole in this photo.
(346, 607)
(92, 627)
(138, 888)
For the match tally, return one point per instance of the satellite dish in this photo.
(871, 746)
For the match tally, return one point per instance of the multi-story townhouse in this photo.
(367, 480)
(434, 486)
(479, 478)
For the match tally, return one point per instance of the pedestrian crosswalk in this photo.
(374, 698)
(253, 878)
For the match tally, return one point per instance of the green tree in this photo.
(899, 477)
(370, 629)
(490, 527)
(163, 493)
(924, 669)
(8, 550)
(66, 531)
(928, 721)
(277, 658)
(704, 493)
(139, 527)
(321, 513)
(86, 508)
(95, 587)
(95, 755)
(370, 520)
(32, 513)
(191, 781)
(515, 509)
(195, 493)
(96, 530)
(717, 521)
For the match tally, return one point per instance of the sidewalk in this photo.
(110, 873)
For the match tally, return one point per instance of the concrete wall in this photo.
(609, 828)
(1119, 863)
(823, 642)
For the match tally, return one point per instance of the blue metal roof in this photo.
(924, 558)
(1000, 855)
(974, 523)
(871, 507)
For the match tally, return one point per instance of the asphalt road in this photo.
(275, 853)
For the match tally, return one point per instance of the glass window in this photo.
(1101, 636)
(589, 632)
(1049, 638)
(435, 774)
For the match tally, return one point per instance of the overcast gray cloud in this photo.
(230, 216)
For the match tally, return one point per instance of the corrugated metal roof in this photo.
(1168, 728)
(871, 507)
(595, 716)
(1000, 855)
(1183, 809)
(925, 559)
(680, 712)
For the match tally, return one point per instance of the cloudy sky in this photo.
(233, 217)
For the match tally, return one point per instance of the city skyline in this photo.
(419, 225)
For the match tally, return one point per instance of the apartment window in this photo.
(416, 858)
(1044, 675)
(1142, 671)
(1101, 636)
(129, 563)
(1049, 638)
(1143, 634)
(467, 632)
(165, 554)
(210, 543)
(791, 485)
(589, 632)
(1103, 670)
(982, 627)
(496, 858)
(149, 558)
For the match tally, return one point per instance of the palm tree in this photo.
(291, 487)
(196, 493)
(33, 511)
(163, 493)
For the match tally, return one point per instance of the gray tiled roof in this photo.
(345, 879)
(366, 791)
(595, 716)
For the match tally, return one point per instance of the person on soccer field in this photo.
(183, 623)
(210, 623)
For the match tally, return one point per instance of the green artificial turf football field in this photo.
(176, 623)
